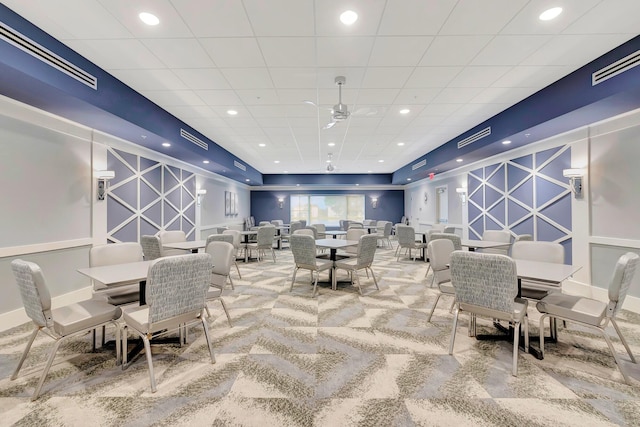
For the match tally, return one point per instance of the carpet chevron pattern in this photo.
(340, 359)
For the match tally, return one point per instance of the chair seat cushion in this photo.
(446, 288)
(574, 307)
(83, 315)
(119, 295)
(213, 292)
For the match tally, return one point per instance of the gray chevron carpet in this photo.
(340, 359)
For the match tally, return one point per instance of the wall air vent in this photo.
(239, 165)
(473, 138)
(27, 45)
(418, 165)
(616, 68)
(192, 138)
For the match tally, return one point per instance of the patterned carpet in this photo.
(340, 359)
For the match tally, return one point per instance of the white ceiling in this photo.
(452, 63)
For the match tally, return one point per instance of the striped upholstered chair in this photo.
(303, 248)
(150, 247)
(175, 295)
(487, 285)
(366, 252)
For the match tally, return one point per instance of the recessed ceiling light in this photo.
(276, 161)
(285, 171)
(380, 161)
(400, 144)
(328, 161)
(297, 185)
(550, 14)
(247, 180)
(206, 162)
(149, 18)
(458, 160)
(369, 171)
(232, 112)
(262, 145)
(357, 185)
(331, 144)
(166, 144)
(506, 142)
(408, 179)
(348, 17)
(405, 111)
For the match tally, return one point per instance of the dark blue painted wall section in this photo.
(327, 179)
(265, 206)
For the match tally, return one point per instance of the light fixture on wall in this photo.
(462, 193)
(374, 202)
(200, 192)
(575, 180)
(103, 177)
(280, 202)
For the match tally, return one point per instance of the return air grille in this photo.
(616, 68)
(239, 165)
(194, 139)
(419, 164)
(27, 45)
(473, 138)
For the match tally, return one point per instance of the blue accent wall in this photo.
(264, 204)
(328, 179)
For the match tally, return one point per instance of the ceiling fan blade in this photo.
(306, 101)
(329, 125)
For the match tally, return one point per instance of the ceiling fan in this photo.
(330, 166)
(340, 111)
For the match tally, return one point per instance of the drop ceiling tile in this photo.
(294, 78)
(274, 18)
(574, 50)
(376, 96)
(150, 79)
(472, 17)
(606, 18)
(344, 51)
(166, 98)
(171, 23)
(122, 54)
(427, 77)
(414, 17)
(214, 18)
(179, 53)
(509, 50)
(248, 78)
(454, 50)
(220, 97)
(258, 96)
(225, 52)
(502, 95)
(401, 51)
(478, 76)
(527, 21)
(416, 96)
(386, 77)
(202, 78)
(288, 51)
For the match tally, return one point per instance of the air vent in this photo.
(239, 165)
(419, 164)
(27, 45)
(616, 68)
(192, 138)
(473, 138)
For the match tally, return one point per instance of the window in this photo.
(327, 209)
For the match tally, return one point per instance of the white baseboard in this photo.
(577, 288)
(17, 317)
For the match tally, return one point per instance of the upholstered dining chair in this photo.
(58, 323)
(172, 236)
(543, 252)
(406, 236)
(116, 253)
(303, 248)
(454, 238)
(593, 313)
(366, 251)
(502, 236)
(151, 247)
(229, 238)
(440, 251)
(175, 294)
(222, 256)
(264, 242)
(354, 234)
(236, 245)
(487, 285)
(383, 232)
(321, 230)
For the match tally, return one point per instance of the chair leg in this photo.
(295, 271)
(205, 326)
(45, 371)
(427, 273)
(231, 281)
(526, 333)
(238, 269)
(355, 273)
(273, 253)
(433, 307)
(544, 316)
(516, 343)
(25, 352)
(374, 278)
(615, 356)
(118, 343)
(147, 351)
(624, 341)
(125, 348)
(453, 330)
(206, 308)
(224, 307)
(315, 284)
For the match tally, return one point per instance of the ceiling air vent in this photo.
(27, 45)
(616, 68)
(418, 165)
(192, 138)
(239, 165)
(473, 138)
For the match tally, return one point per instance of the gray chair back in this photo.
(355, 234)
(497, 236)
(367, 249)
(219, 238)
(524, 238)
(236, 237)
(172, 236)
(295, 225)
(34, 292)
(303, 248)
(266, 234)
(321, 230)
(440, 257)
(222, 256)
(406, 236)
(150, 247)
(116, 253)
(305, 231)
(454, 238)
(538, 251)
(621, 281)
(313, 229)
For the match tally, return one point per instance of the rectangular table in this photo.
(483, 244)
(333, 245)
(245, 241)
(335, 233)
(193, 245)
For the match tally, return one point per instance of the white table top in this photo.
(544, 271)
(484, 244)
(335, 232)
(248, 232)
(191, 245)
(118, 273)
(335, 243)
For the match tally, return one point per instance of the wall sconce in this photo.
(462, 193)
(200, 192)
(103, 177)
(374, 202)
(280, 202)
(575, 181)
